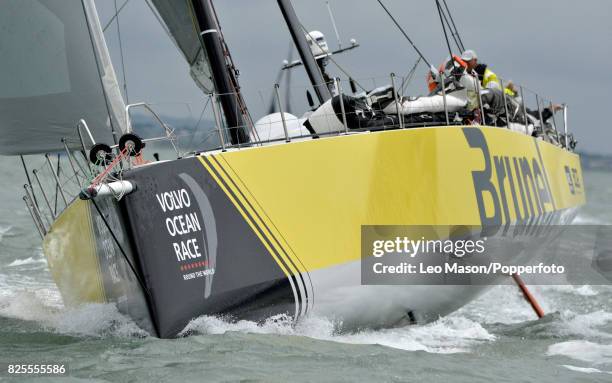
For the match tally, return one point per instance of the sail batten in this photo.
(55, 71)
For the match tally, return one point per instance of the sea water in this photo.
(496, 338)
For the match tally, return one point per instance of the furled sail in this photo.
(178, 17)
(54, 71)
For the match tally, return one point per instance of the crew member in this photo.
(488, 78)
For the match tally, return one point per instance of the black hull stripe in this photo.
(311, 298)
(260, 231)
(269, 231)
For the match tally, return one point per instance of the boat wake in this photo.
(464, 331)
(584, 351)
(586, 370)
(28, 261)
(446, 335)
(97, 320)
(586, 219)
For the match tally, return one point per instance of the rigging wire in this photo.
(234, 75)
(452, 33)
(403, 32)
(450, 51)
(454, 26)
(132, 267)
(333, 20)
(114, 16)
(408, 78)
(125, 89)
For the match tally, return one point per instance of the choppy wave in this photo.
(586, 370)
(446, 335)
(460, 332)
(584, 290)
(27, 261)
(95, 319)
(585, 219)
(4, 230)
(593, 325)
(583, 350)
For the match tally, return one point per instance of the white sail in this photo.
(180, 22)
(54, 71)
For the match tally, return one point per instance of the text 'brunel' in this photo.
(515, 187)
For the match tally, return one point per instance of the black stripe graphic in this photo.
(259, 230)
(269, 231)
(311, 298)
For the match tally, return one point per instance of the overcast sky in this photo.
(562, 49)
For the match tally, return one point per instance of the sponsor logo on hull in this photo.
(513, 188)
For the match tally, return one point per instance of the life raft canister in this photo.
(431, 82)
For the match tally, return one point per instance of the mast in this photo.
(227, 94)
(310, 63)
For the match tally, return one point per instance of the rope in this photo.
(108, 169)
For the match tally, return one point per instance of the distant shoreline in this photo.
(596, 162)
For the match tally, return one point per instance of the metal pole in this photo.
(25, 169)
(337, 79)
(84, 151)
(310, 63)
(35, 172)
(70, 160)
(214, 105)
(524, 108)
(400, 116)
(501, 83)
(282, 113)
(540, 113)
(83, 147)
(482, 115)
(30, 194)
(82, 169)
(83, 123)
(442, 79)
(565, 124)
(57, 181)
(210, 35)
(38, 228)
(552, 112)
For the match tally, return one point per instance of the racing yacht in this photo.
(270, 221)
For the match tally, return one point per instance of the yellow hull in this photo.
(313, 196)
(288, 218)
